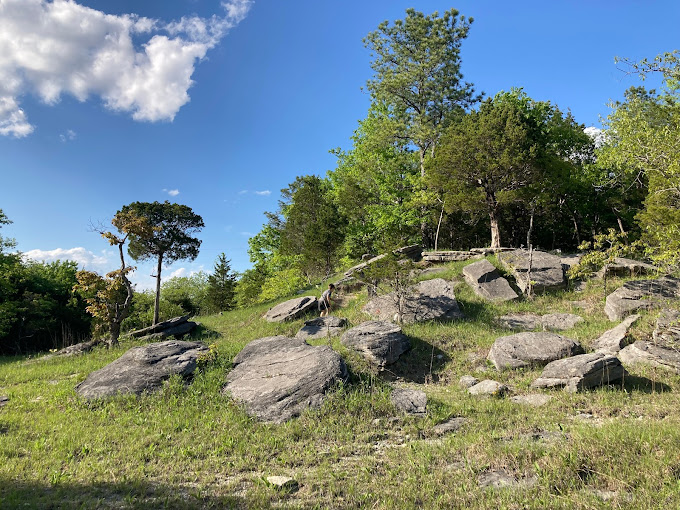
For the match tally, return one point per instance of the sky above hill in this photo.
(220, 104)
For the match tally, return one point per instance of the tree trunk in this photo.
(114, 333)
(157, 302)
(439, 224)
(531, 227)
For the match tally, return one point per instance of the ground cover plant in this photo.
(188, 446)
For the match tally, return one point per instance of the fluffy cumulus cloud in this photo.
(70, 135)
(85, 258)
(598, 135)
(52, 48)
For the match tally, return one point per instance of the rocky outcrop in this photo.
(626, 267)
(322, 327)
(291, 309)
(413, 252)
(142, 369)
(431, 299)
(546, 269)
(277, 378)
(613, 340)
(409, 401)
(380, 342)
(647, 353)
(640, 295)
(490, 251)
(531, 349)
(487, 282)
(667, 329)
(581, 372)
(449, 256)
(548, 322)
(360, 267)
(488, 387)
(177, 327)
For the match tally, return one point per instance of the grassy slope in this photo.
(191, 447)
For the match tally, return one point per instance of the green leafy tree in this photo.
(221, 285)
(172, 239)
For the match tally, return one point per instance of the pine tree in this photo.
(221, 285)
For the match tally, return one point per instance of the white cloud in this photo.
(60, 47)
(597, 134)
(70, 135)
(264, 193)
(243, 192)
(85, 258)
(171, 192)
(182, 271)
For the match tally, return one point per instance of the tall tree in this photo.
(221, 285)
(172, 239)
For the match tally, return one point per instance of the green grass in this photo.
(188, 446)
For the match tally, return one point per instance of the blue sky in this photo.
(219, 105)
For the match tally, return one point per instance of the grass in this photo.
(188, 446)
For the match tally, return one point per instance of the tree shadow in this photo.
(422, 364)
(644, 385)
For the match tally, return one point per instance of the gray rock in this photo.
(142, 369)
(322, 327)
(568, 261)
(489, 251)
(413, 252)
(449, 256)
(161, 326)
(613, 340)
(533, 400)
(291, 309)
(348, 285)
(468, 381)
(360, 267)
(502, 479)
(431, 299)
(647, 353)
(531, 349)
(546, 269)
(409, 401)
(367, 256)
(627, 267)
(581, 372)
(550, 321)
(487, 282)
(177, 331)
(277, 378)
(449, 426)
(380, 342)
(284, 483)
(639, 295)
(489, 387)
(667, 331)
(3, 400)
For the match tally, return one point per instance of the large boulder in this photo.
(639, 295)
(380, 342)
(487, 282)
(277, 378)
(177, 327)
(291, 309)
(546, 269)
(581, 372)
(549, 322)
(431, 299)
(413, 252)
(667, 329)
(626, 267)
(449, 256)
(647, 353)
(142, 369)
(322, 327)
(360, 267)
(531, 349)
(613, 340)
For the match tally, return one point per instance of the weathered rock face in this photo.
(488, 387)
(613, 340)
(277, 377)
(647, 353)
(626, 267)
(533, 400)
(549, 322)
(487, 282)
(581, 372)
(413, 252)
(639, 295)
(291, 309)
(380, 342)
(531, 349)
(568, 261)
(431, 299)
(449, 256)
(546, 269)
(360, 267)
(142, 369)
(490, 251)
(322, 327)
(177, 327)
(667, 329)
(409, 401)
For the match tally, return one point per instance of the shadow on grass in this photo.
(422, 364)
(644, 385)
(135, 494)
(476, 311)
(203, 333)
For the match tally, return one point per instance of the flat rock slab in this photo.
(360, 267)
(322, 327)
(283, 483)
(291, 309)
(177, 331)
(380, 342)
(409, 401)
(647, 353)
(161, 326)
(640, 295)
(142, 369)
(627, 267)
(531, 349)
(490, 251)
(549, 322)
(613, 340)
(488, 387)
(449, 426)
(449, 256)
(277, 378)
(546, 270)
(413, 252)
(428, 300)
(581, 372)
(487, 282)
(533, 400)
(667, 329)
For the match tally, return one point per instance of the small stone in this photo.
(452, 425)
(284, 483)
(502, 479)
(409, 401)
(468, 381)
(488, 387)
(3, 400)
(534, 400)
